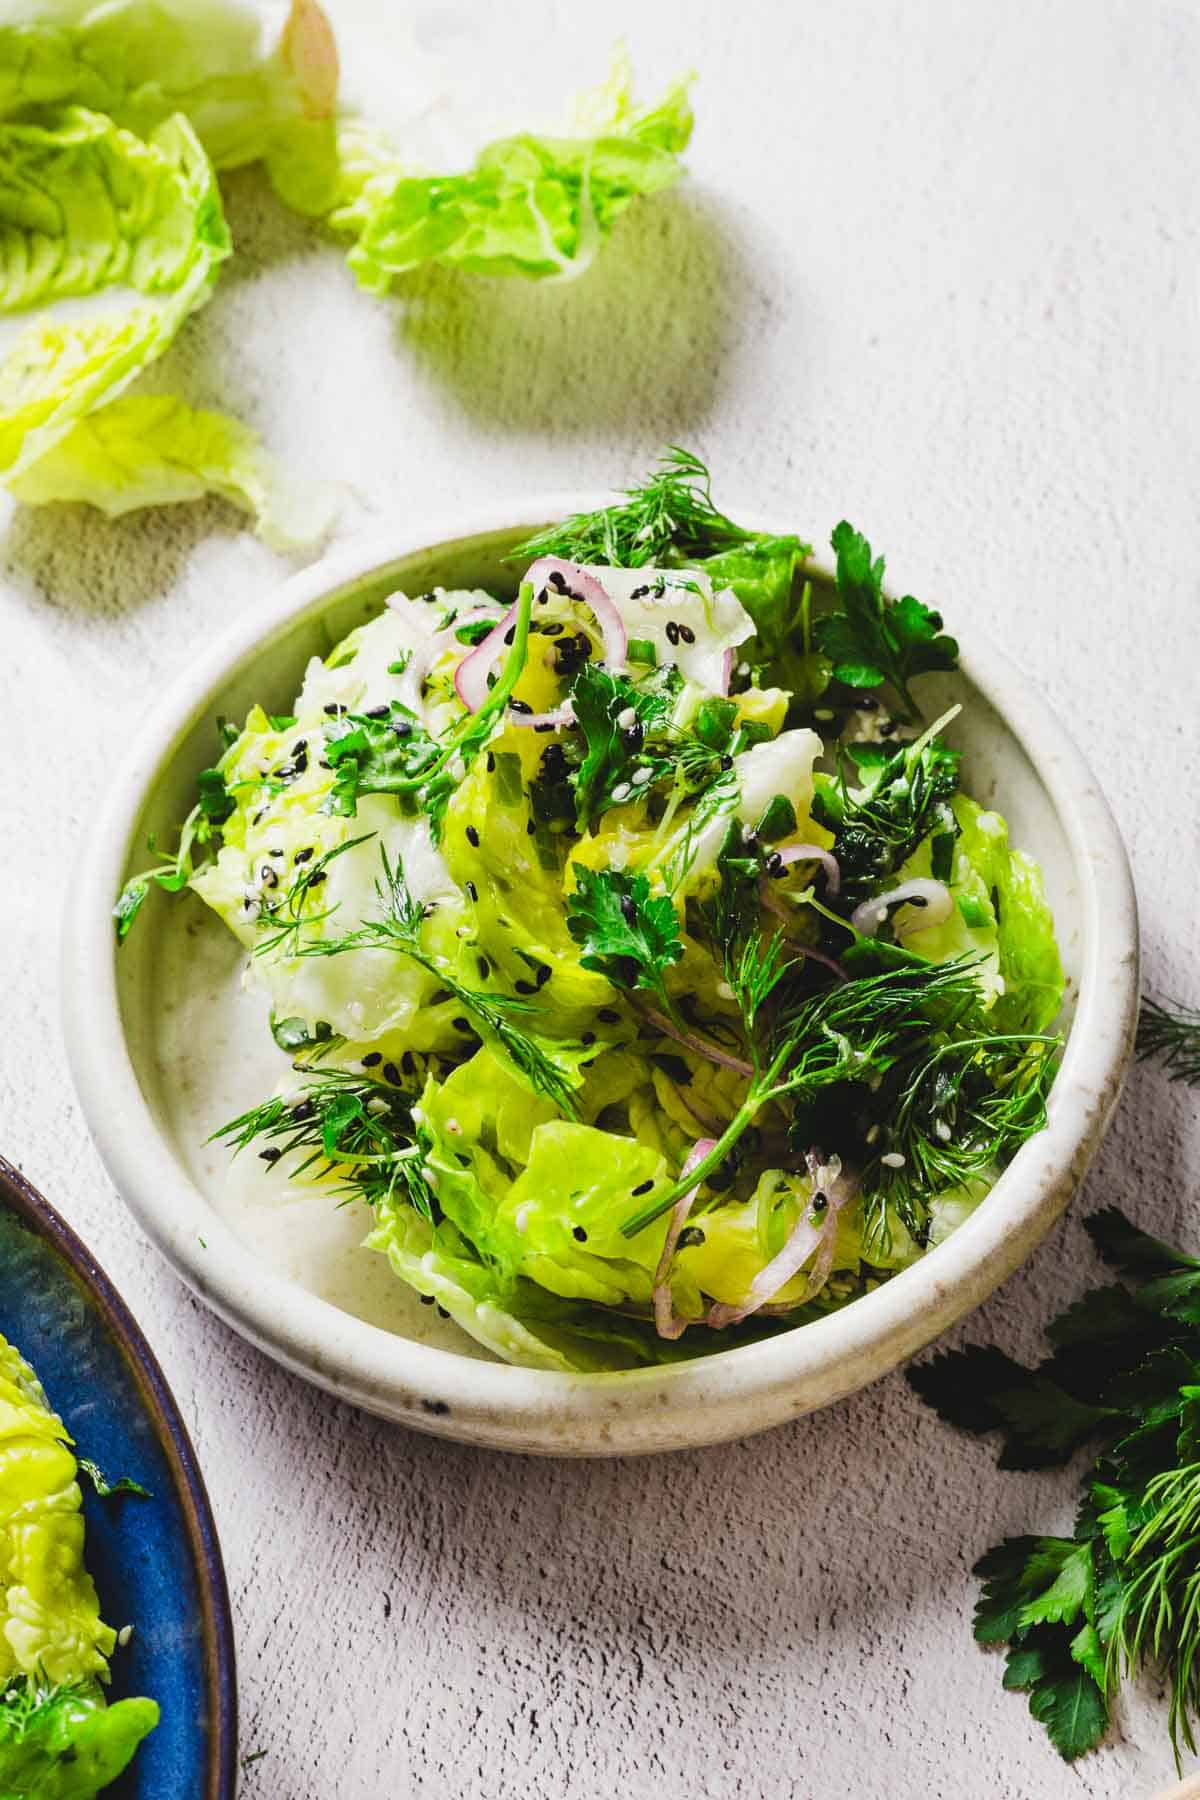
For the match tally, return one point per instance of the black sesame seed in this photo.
(531, 827)
(525, 987)
(402, 727)
(557, 581)
(461, 1024)
(408, 1063)
(472, 837)
(272, 1155)
(472, 890)
(377, 712)
(588, 1037)
(317, 877)
(579, 1234)
(542, 974)
(391, 1073)
(371, 1058)
(485, 968)
(727, 762)
(547, 725)
(552, 629)
(672, 632)
(643, 1189)
(510, 634)
(267, 876)
(888, 728)
(304, 1110)
(607, 1016)
(491, 763)
(303, 856)
(819, 1202)
(426, 1299)
(690, 1238)
(628, 909)
(333, 709)
(519, 706)
(275, 853)
(686, 635)
(639, 593)
(442, 1313)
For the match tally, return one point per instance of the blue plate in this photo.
(156, 1562)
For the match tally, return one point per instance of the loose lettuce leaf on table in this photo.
(536, 205)
(152, 450)
(140, 61)
(116, 239)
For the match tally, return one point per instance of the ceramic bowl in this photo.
(156, 1562)
(164, 1049)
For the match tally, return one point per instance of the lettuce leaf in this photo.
(140, 61)
(152, 450)
(64, 1743)
(532, 205)
(117, 240)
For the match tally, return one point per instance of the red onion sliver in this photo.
(667, 1322)
(585, 587)
(726, 671)
(700, 1045)
(813, 853)
(934, 897)
(805, 1237)
(777, 907)
(470, 677)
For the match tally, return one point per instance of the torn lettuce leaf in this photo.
(533, 205)
(116, 240)
(63, 1743)
(247, 97)
(152, 450)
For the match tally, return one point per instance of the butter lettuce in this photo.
(247, 97)
(532, 205)
(116, 240)
(57, 1739)
(152, 450)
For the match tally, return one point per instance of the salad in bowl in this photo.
(636, 960)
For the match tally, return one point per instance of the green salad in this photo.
(640, 965)
(58, 1739)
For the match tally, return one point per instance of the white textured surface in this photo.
(935, 268)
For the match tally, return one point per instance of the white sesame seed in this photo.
(378, 1105)
(743, 668)
(462, 931)
(724, 990)
(627, 719)
(642, 776)
(941, 1131)
(124, 1635)
(873, 1135)
(892, 1159)
(521, 1218)
(622, 791)
(822, 712)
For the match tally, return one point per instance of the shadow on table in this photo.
(642, 342)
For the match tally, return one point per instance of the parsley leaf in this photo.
(628, 934)
(372, 755)
(873, 640)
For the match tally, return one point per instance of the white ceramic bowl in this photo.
(297, 1285)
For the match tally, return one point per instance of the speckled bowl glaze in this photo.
(140, 1096)
(156, 1562)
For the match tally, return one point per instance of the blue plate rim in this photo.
(216, 1623)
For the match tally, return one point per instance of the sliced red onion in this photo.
(726, 671)
(470, 677)
(776, 906)
(805, 1237)
(585, 587)
(700, 1045)
(667, 1322)
(813, 853)
(933, 897)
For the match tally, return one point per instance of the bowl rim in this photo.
(721, 1395)
(20, 1196)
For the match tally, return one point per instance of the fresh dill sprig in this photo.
(851, 1032)
(353, 1125)
(289, 915)
(1171, 1032)
(953, 1113)
(668, 517)
(495, 1016)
